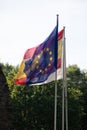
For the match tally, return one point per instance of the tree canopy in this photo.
(33, 106)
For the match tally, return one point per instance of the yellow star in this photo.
(38, 56)
(51, 58)
(40, 71)
(45, 69)
(49, 64)
(37, 62)
(50, 52)
(47, 49)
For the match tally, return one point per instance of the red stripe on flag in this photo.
(29, 53)
(59, 63)
(21, 81)
(60, 34)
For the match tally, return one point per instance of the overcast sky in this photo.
(27, 23)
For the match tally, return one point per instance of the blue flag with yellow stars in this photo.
(39, 62)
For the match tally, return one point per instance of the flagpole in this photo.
(64, 89)
(55, 110)
(66, 99)
(64, 83)
(55, 106)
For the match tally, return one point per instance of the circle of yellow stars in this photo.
(36, 60)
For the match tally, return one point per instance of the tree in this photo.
(33, 106)
(75, 107)
(83, 88)
(5, 106)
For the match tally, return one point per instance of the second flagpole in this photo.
(55, 105)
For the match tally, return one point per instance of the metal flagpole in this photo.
(64, 89)
(55, 110)
(55, 106)
(64, 82)
(66, 100)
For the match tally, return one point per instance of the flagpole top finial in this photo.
(57, 15)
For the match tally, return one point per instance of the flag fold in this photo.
(39, 63)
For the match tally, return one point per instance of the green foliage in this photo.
(33, 106)
(75, 109)
(77, 82)
(5, 104)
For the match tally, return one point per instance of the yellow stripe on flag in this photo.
(20, 73)
(60, 49)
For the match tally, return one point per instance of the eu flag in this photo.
(39, 62)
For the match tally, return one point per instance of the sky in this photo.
(27, 23)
